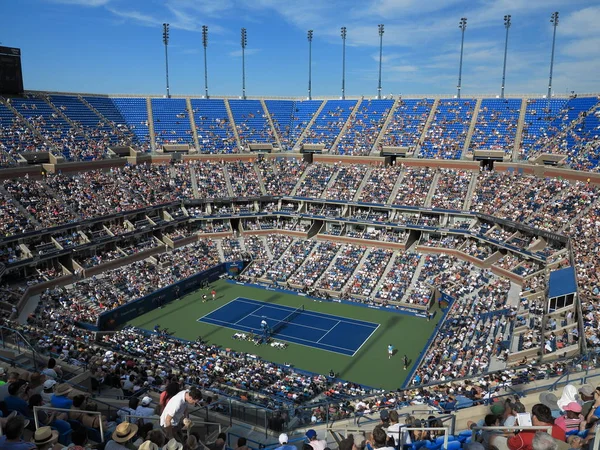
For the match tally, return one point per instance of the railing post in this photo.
(230, 413)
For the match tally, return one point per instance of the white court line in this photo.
(291, 337)
(369, 337)
(249, 314)
(223, 306)
(314, 313)
(293, 323)
(328, 331)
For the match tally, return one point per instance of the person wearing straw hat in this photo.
(122, 436)
(60, 399)
(148, 445)
(44, 438)
(173, 444)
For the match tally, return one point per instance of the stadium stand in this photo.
(364, 127)
(171, 121)
(215, 132)
(408, 123)
(329, 122)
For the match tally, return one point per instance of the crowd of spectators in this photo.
(451, 189)
(415, 186)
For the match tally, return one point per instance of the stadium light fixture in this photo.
(463, 26)
(380, 27)
(507, 26)
(205, 44)
(310, 38)
(554, 22)
(343, 33)
(244, 41)
(166, 42)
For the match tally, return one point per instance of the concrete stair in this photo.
(519, 134)
(194, 182)
(388, 267)
(151, 124)
(388, 119)
(271, 124)
(469, 196)
(396, 188)
(465, 152)
(233, 125)
(432, 189)
(190, 111)
(330, 183)
(362, 184)
(263, 190)
(430, 118)
(308, 125)
(228, 181)
(348, 123)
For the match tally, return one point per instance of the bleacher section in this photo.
(407, 124)
(215, 132)
(135, 113)
(447, 132)
(330, 122)
(251, 122)
(282, 114)
(171, 121)
(538, 127)
(364, 127)
(496, 125)
(108, 109)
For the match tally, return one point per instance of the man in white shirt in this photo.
(176, 410)
(394, 431)
(315, 443)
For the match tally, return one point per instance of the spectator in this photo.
(60, 399)
(314, 442)
(283, 441)
(48, 387)
(144, 409)
(45, 437)
(13, 430)
(379, 439)
(11, 378)
(241, 444)
(122, 437)
(176, 410)
(18, 395)
(540, 416)
(572, 419)
(543, 441)
(52, 370)
(586, 393)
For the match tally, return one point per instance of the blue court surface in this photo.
(309, 328)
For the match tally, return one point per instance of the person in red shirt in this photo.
(540, 416)
(214, 294)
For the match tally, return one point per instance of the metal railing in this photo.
(50, 408)
(20, 342)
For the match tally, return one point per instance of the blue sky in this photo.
(115, 46)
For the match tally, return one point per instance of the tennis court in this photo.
(299, 326)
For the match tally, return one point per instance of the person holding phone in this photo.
(540, 416)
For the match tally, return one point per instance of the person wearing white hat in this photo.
(283, 440)
(173, 444)
(144, 409)
(47, 392)
(148, 445)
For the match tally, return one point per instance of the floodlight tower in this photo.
(463, 26)
(507, 26)
(166, 42)
(310, 38)
(554, 22)
(205, 44)
(343, 32)
(244, 41)
(380, 28)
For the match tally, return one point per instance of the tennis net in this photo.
(279, 325)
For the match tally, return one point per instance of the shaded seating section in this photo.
(135, 113)
(301, 114)
(445, 137)
(15, 137)
(407, 123)
(244, 179)
(282, 113)
(330, 122)
(49, 123)
(496, 125)
(540, 126)
(171, 121)
(215, 132)
(251, 122)
(106, 106)
(364, 127)
(347, 182)
(380, 185)
(315, 180)
(281, 175)
(415, 186)
(451, 189)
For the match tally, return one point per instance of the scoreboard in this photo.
(11, 76)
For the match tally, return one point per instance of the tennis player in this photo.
(390, 351)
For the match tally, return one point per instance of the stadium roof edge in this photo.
(348, 97)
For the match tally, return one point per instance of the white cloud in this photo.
(583, 22)
(90, 3)
(248, 51)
